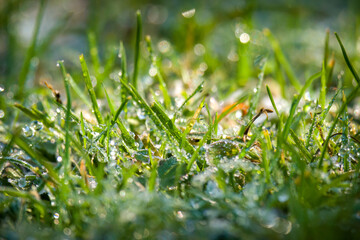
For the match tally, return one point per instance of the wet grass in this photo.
(132, 159)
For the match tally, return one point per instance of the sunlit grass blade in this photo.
(31, 51)
(137, 48)
(192, 121)
(166, 121)
(91, 90)
(282, 60)
(66, 160)
(347, 60)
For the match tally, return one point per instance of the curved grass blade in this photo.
(347, 60)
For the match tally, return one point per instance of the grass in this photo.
(125, 161)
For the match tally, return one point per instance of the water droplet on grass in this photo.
(2, 113)
(56, 215)
(36, 125)
(22, 182)
(244, 38)
(216, 151)
(2, 88)
(27, 131)
(189, 14)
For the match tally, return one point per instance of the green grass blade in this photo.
(36, 115)
(90, 90)
(137, 48)
(322, 97)
(166, 121)
(31, 51)
(351, 96)
(347, 60)
(79, 92)
(272, 101)
(94, 54)
(192, 121)
(300, 145)
(158, 76)
(255, 99)
(295, 104)
(282, 60)
(66, 160)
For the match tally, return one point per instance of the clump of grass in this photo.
(135, 172)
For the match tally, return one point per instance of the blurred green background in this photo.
(211, 36)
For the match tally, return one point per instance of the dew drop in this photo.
(244, 38)
(2, 88)
(2, 113)
(36, 125)
(152, 71)
(27, 131)
(189, 14)
(56, 215)
(22, 182)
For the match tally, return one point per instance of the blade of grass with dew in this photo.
(351, 96)
(24, 195)
(30, 53)
(158, 76)
(110, 104)
(265, 161)
(255, 100)
(282, 137)
(82, 128)
(66, 160)
(300, 145)
(192, 121)
(347, 60)
(282, 60)
(166, 121)
(36, 115)
(163, 123)
(295, 104)
(90, 90)
(193, 158)
(21, 143)
(137, 48)
(322, 97)
(345, 129)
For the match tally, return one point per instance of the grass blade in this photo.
(90, 90)
(347, 60)
(137, 48)
(282, 60)
(66, 160)
(31, 51)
